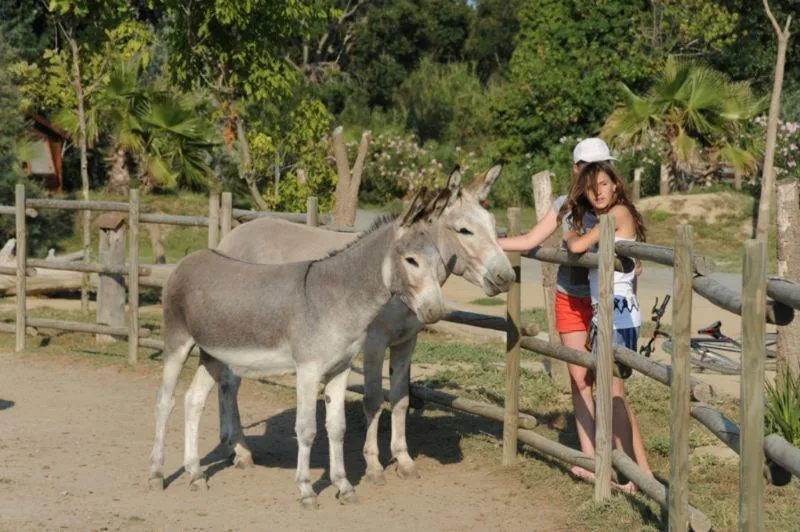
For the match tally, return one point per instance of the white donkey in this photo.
(308, 317)
(465, 236)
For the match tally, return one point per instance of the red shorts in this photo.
(573, 313)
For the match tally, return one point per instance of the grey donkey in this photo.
(307, 317)
(465, 236)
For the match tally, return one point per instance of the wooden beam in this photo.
(513, 303)
(605, 360)
(663, 255)
(730, 300)
(583, 260)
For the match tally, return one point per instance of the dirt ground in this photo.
(75, 436)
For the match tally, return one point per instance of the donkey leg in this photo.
(374, 352)
(305, 428)
(335, 423)
(175, 354)
(400, 356)
(205, 378)
(230, 423)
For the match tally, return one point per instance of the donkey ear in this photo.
(438, 204)
(481, 188)
(454, 181)
(414, 208)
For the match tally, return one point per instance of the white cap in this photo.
(591, 150)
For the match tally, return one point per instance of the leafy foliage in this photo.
(783, 407)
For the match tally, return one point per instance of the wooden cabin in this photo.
(45, 162)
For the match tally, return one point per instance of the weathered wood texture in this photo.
(90, 267)
(133, 276)
(754, 287)
(77, 205)
(174, 219)
(636, 194)
(110, 287)
(730, 300)
(663, 180)
(22, 255)
(605, 360)
(583, 260)
(213, 219)
(678, 516)
(698, 521)
(242, 215)
(543, 202)
(225, 215)
(312, 211)
(788, 214)
(663, 255)
(513, 304)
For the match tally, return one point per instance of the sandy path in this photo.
(75, 439)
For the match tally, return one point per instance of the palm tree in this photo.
(698, 115)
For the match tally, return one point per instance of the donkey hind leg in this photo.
(305, 428)
(400, 357)
(206, 376)
(374, 353)
(230, 423)
(335, 424)
(175, 354)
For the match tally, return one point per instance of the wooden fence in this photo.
(688, 395)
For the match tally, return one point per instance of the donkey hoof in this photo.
(408, 471)
(198, 484)
(348, 497)
(243, 461)
(156, 483)
(377, 478)
(309, 503)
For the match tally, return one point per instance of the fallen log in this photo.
(698, 521)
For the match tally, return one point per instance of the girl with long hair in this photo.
(600, 189)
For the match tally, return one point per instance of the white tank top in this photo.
(626, 307)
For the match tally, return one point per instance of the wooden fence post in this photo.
(213, 219)
(754, 308)
(605, 360)
(663, 180)
(22, 257)
(678, 513)
(225, 217)
(513, 303)
(111, 287)
(312, 211)
(542, 202)
(637, 184)
(133, 276)
(788, 213)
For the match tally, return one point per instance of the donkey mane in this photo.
(382, 220)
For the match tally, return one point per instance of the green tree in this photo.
(236, 50)
(569, 54)
(697, 114)
(492, 36)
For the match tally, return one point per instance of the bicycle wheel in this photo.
(702, 357)
(706, 356)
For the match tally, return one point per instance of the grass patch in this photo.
(658, 216)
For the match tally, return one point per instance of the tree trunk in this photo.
(83, 142)
(246, 171)
(119, 178)
(768, 175)
(788, 213)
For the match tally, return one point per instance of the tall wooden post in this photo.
(754, 309)
(22, 258)
(605, 360)
(513, 303)
(111, 288)
(543, 201)
(312, 211)
(133, 276)
(678, 516)
(225, 218)
(637, 184)
(788, 214)
(213, 219)
(663, 180)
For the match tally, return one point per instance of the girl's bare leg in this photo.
(581, 380)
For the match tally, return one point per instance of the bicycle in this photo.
(707, 352)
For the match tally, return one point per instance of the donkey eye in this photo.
(465, 231)
(412, 262)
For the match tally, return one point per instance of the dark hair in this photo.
(577, 204)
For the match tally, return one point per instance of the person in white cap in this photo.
(573, 298)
